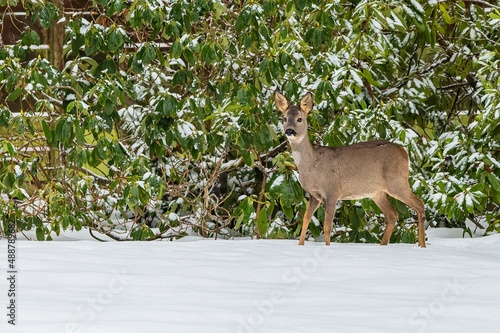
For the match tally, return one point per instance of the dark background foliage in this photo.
(152, 119)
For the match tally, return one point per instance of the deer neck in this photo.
(302, 151)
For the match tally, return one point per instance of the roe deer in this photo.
(372, 169)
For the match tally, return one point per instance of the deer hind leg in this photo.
(312, 205)
(328, 226)
(391, 215)
(414, 202)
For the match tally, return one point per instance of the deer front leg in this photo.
(330, 208)
(312, 205)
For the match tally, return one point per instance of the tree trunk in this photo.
(56, 43)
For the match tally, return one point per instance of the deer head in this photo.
(295, 121)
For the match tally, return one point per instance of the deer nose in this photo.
(290, 132)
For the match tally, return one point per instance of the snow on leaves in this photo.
(181, 92)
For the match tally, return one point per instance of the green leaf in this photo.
(40, 235)
(300, 4)
(244, 211)
(115, 40)
(65, 222)
(101, 150)
(182, 77)
(148, 54)
(495, 186)
(247, 157)
(208, 54)
(142, 232)
(15, 94)
(114, 184)
(408, 237)
(219, 9)
(446, 16)
(81, 158)
(242, 21)
(143, 195)
(354, 219)
(169, 106)
(63, 131)
(189, 55)
(368, 76)
(108, 66)
(317, 38)
(242, 96)
(29, 38)
(137, 64)
(109, 107)
(495, 15)
(148, 234)
(287, 209)
(262, 221)
(264, 66)
(47, 15)
(79, 134)
(9, 180)
(47, 131)
(10, 148)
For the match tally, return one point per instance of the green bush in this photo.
(161, 124)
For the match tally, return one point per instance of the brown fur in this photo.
(372, 169)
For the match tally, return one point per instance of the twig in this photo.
(261, 197)
(425, 71)
(95, 237)
(477, 2)
(478, 225)
(453, 86)
(78, 95)
(93, 174)
(446, 46)
(52, 99)
(259, 205)
(227, 167)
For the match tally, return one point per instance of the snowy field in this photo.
(196, 285)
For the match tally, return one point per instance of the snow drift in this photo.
(196, 285)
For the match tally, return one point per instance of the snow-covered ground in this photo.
(196, 285)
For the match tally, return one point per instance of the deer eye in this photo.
(299, 120)
(284, 119)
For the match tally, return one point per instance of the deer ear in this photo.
(306, 103)
(281, 101)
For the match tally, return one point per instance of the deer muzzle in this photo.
(290, 132)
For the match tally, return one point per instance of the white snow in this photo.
(417, 6)
(185, 129)
(85, 26)
(18, 172)
(278, 181)
(196, 285)
(173, 217)
(356, 78)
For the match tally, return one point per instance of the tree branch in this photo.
(480, 2)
